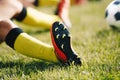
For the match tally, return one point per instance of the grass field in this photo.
(97, 45)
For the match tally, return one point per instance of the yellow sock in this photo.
(30, 46)
(46, 2)
(36, 18)
(72, 2)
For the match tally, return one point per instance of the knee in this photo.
(5, 26)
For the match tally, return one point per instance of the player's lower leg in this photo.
(30, 46)
(36, 18)
(24, 43)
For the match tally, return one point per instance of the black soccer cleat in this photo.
(62, 44)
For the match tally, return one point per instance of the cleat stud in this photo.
(60, 23)
(57, 36)
(63, 35)
(72, 62)
(62, 46)
(56, 28)
(69, 35)
(64, 28)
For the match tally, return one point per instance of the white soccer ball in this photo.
(112, 14)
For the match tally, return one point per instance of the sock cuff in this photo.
(22, 15)
(36, 2)
(11, 36)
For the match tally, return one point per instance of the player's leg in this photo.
(9, 8)
(25, 44)
(36, 18)
(7, 26)
(26, 15)
(22, 42)
(4, 29)
(32, 47)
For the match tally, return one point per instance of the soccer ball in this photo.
(112, 14)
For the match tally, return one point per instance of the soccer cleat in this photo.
(62, 44)
(62, 11)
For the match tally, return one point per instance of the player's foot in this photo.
(62, 44)
(62, 11)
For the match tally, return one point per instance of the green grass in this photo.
(97, 45)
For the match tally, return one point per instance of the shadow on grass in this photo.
(37, 31)
(103, 33)
(106, 32)
(27, 68)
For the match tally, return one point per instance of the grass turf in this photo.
(92, 38)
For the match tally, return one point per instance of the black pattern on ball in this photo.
(116, 2)
(106, 13)
(117, 16)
